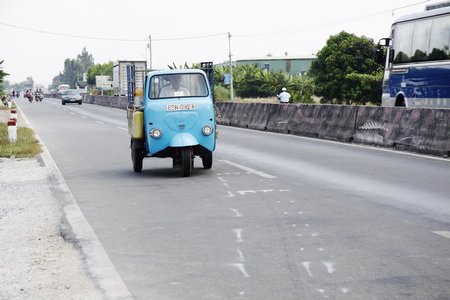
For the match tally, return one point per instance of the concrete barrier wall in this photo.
(419, 130)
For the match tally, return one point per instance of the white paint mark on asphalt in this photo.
(302, 249)
(247, 169)
(122, 128)
(99, 122)
(226, 185)
(445, 234)
(238, 233)
(286, 190)
(299, 234)
(322, 291)
(344, 290)
(306, 225)
(236, 212)
(314, 234)
(241, 268)
(329, 266)
(230, 194)
(240, 256)
(320, 249)
(228, 173)
(306, 265)
(267, 191)
(221, 179)
(241, 293)
(300, 213)
(246, 192)
(294, 225)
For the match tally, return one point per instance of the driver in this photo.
(174, 89)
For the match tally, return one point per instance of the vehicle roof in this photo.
(424, 14)
(175, 71)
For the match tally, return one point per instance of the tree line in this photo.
(344, 72)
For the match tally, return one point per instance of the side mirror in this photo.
(384, 42)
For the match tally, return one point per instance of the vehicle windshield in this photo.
(178, 86)
(71, 92)
(422, 40)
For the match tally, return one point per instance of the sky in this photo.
(38, 36)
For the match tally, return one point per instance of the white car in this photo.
(71, 96)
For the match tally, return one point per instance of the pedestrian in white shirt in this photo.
(284, 96)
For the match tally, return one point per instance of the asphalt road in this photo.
(277, 217)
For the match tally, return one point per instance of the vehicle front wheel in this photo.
(186, 161)
(207, 160)
(137, 157)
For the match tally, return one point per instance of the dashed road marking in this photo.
(445, 234)
(122, 128)
(247, 169)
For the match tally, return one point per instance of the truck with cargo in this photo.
(120, 81)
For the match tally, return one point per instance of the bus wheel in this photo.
(186, 161)
(400, 101)
(207, 160)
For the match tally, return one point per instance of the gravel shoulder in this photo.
(37, 261)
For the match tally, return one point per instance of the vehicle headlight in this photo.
(156, 133)
(207, 130)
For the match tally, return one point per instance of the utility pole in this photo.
(231, 68)
(150, 51)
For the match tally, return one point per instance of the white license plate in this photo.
(176, 107)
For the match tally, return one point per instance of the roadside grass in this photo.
(26, 145)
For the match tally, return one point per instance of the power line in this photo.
(112, 39)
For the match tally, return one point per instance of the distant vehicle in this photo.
(71, 96)
(63, 87)
(417, 71)
(120, 80)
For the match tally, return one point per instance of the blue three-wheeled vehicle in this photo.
(173, 116)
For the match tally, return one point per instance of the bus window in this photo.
(440, 39)
(420, 41)
(402, 42)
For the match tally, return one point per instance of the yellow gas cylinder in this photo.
(138, 124)
(138, 97)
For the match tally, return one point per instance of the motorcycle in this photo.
(39, 97)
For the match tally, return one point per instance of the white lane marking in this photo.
(445, 234)
(238, 233)
(306, 265)
(122, 128)
(240, 256)
(230, 194)
(247, 169)
(236, 212)
(221, 179)
(329, 266)
(246, 192)
(344, 290)
(241, 268)
(99, 122)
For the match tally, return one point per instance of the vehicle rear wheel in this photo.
(186, 161)
(137, 156)
(207, 160)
